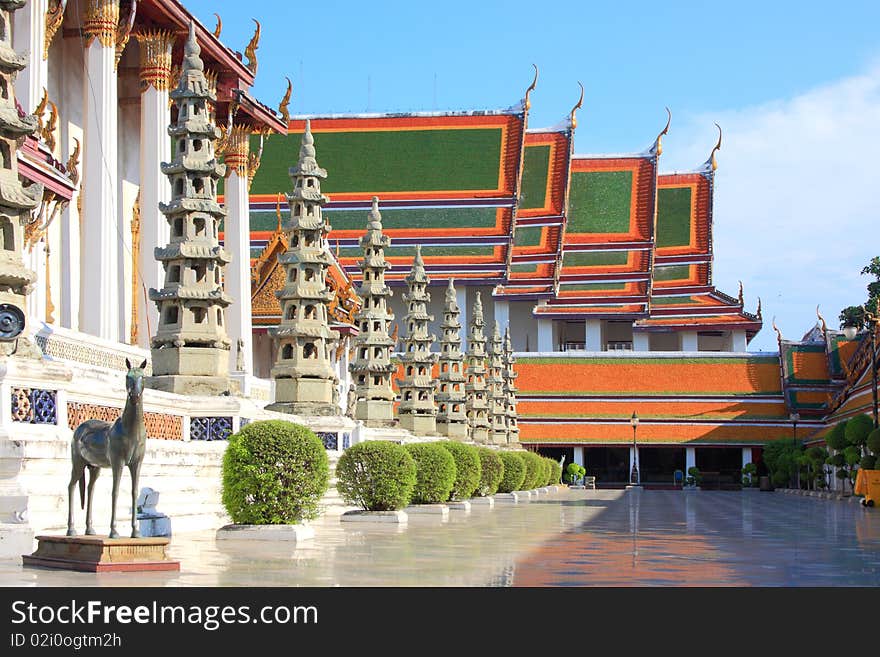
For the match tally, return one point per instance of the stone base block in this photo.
(437, 510)
(383, 517)
(498, 437)
(460, 505)
(480, 436)
(15, 540)
(375, 412)
(304, 408)
(304, 391)
(190, 385)
(506, 498)
(453, 431)
(265, 533)
(99, 554)
(190, 361)
(421, 425)
(483, 502)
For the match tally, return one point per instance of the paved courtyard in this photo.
(571, 538)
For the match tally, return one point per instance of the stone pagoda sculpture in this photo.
(304, 376)
(190, 348)
(497, 398)
(16, 201)
(476, 388)
(451, 400)
(372, 367)
(509, 376)
(417, 411)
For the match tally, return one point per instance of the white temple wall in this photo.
(129, 174)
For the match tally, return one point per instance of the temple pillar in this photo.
(237, 241)
(593, 335)
(100, 291)
(30, 35)
(545, 335)
(747, 455)
(641, 341)
(690, 458)
(689, 341)
(579, 456)
(738, 341)
(155, 76)
(502, 313)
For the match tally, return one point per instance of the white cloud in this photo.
(796, 202)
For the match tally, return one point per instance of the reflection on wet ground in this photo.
(571, 538)
(671, 538)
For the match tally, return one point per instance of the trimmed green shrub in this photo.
(492, 471)
(534, 470)
(377, 475)
(548, 471)
(467, 465)
(868, 462)
(836, 438)
(857, 430)
(780, 479)
(574, 472)
(694, 477)
(514, 472)
(557, 472)
(873, 442)
(435, 473)
(274, 473)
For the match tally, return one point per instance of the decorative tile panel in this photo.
(163, 426)
(34, 406)
(329, 438)
(210, 428)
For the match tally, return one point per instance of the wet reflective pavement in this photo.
(570, 538)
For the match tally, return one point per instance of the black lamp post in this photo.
(634, 475)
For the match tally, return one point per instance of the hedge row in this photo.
(382, 476)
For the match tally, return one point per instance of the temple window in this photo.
(182, 146)
(377, 352)
(457, 387)
(178, 226)
(443, 388)
(423, 396)
(442, 408)
(199, 185)
(444, 367)
(455, 408)
(292, 275)
(309, 351)
(310, 210)
(287, 352)
(297, 210)
(409, 348)
(366, 275)
(409, 370)
(455, 367)
(291, 311)
(363, 352)
(365, 326)
(171, 315)
(200, 226)
(407, 396)
(219, 317)
(377, 380)
(178, 187)
(411, 327)
(199, 315)
(362, 379)
(197, 109)
(377, 326)
(295, 241)
(310, 312)
(422, 371)
(4, 89)
(197, 144)
(310, 182)
(174, 274)
(310, 274)
(7, 235)
(200, 271)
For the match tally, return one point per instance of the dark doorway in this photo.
(609, 465)
(557, 453)
(720, 467)
(658, 464)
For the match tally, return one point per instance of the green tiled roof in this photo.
(391, 218)
(674, 217)
(390, 160)
(599, 202)
(536, 165)
(594, 258)
(597, 287)
(527, 236)
(666, 301)
(524, 269)
(672, 272)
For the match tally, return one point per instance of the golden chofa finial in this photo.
(219, 28)
(716, 149)
(284, 106)
(528, 101)
(758, 312)
(740, 295)
(658, 143)
(572, 118)
(778, 332)
(822, 320)
(251, 50)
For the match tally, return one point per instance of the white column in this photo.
(593, 335)
(633, 458)
(502, 314)
(689, 341)
(738, 341)
(35, 259)
(29, 35)
(747, 455)
(461, 300)
(100, 290)
(155, 76)
(579, 456)
(641, 341)
(690, 458)
(545, 335)
(237, 242)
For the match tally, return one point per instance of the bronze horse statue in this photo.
(98, 444)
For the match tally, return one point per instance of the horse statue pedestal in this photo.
(100, 554)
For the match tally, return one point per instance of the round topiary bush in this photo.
(874, 442)
(377, 475)
(435, 473)
(548, 471)
(557, 472)
(492, 471)
(468, 469)
(868, 462)
(534, 470)
(514, 472)
(274, 473)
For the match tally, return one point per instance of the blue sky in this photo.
(795, 85)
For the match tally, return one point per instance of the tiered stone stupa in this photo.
(303, 372)
(510, 390)
(191, 348)
(372, 368)
(16, 201)
(497, 397)
(476, 388)
(451, 400)
(417, 411)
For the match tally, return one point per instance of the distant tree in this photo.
(857, 431)
(852, 316)
(855, 315)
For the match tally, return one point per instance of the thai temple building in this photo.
(140, 218)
